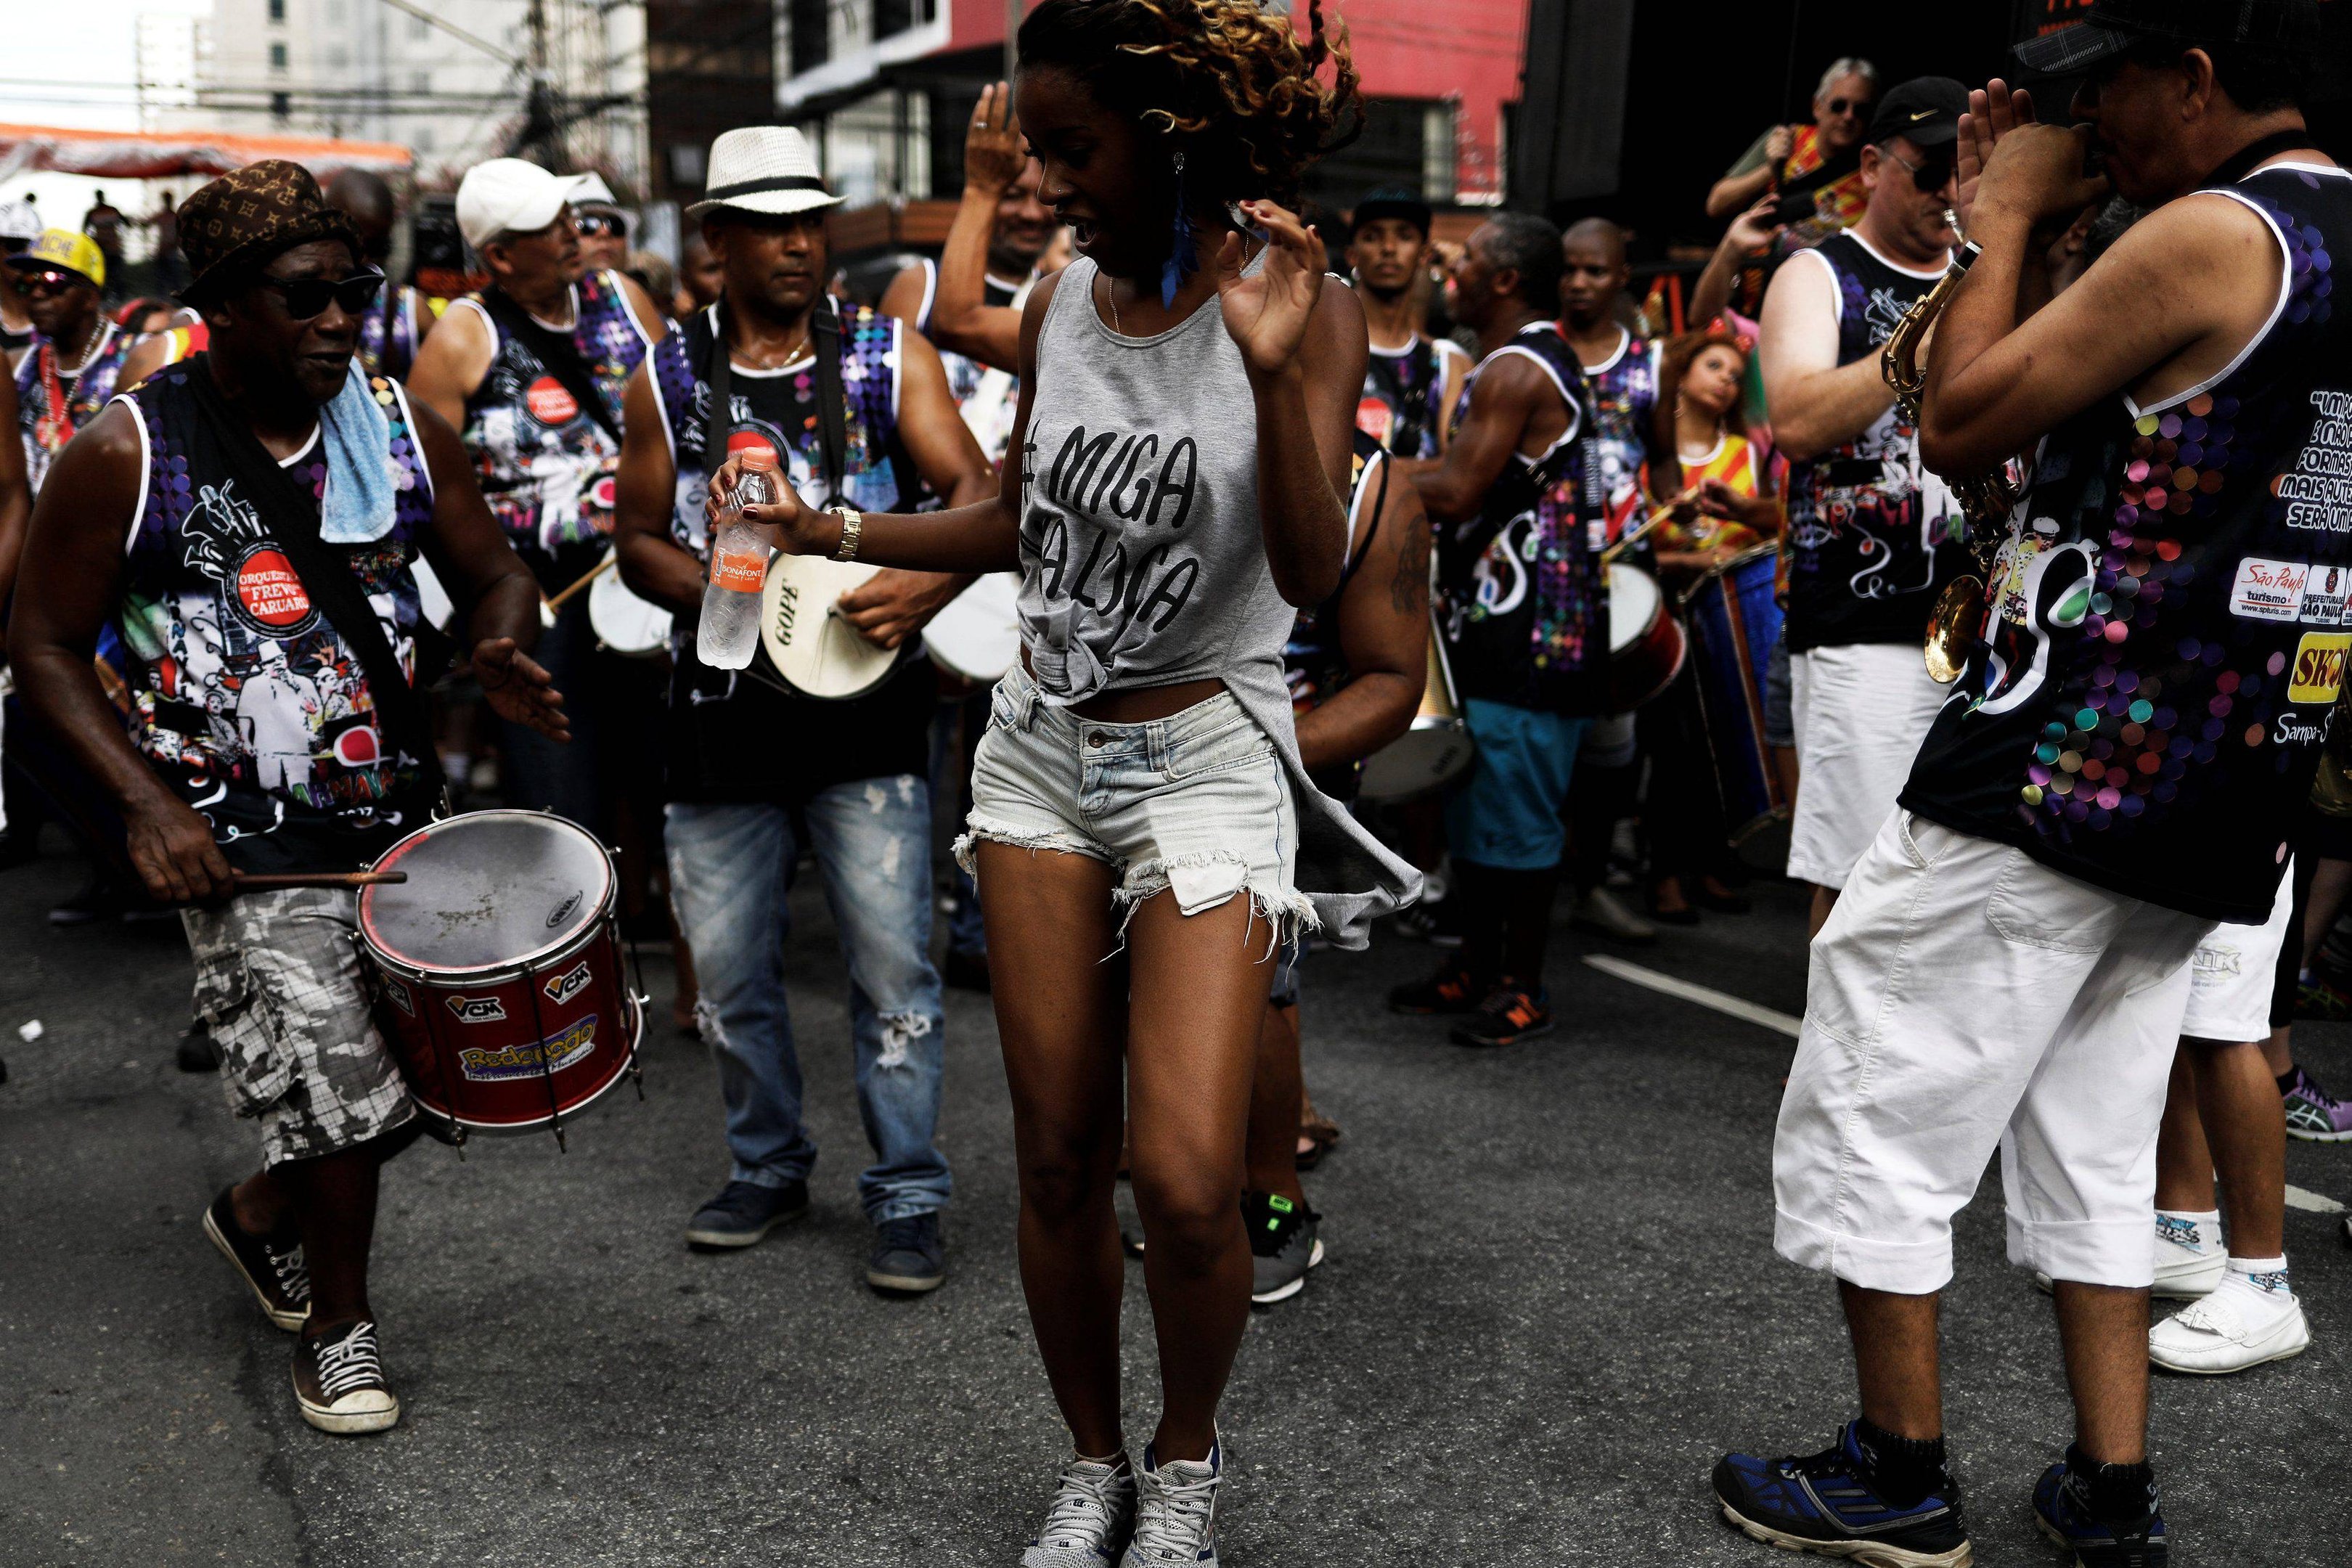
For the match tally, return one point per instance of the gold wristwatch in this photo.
(853, 522)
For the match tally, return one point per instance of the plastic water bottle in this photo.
(729, 629)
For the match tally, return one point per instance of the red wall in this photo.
(1467, 50)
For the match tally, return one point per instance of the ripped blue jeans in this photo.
(730, 867)
(1196, 804)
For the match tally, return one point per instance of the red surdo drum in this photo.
(499, 970)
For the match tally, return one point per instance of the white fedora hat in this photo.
(763, 169)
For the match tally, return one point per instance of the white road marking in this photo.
(1704, 996)
(2296, 1198)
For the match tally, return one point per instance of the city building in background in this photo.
(455, 82)
(884, 88)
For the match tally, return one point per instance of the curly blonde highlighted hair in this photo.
(1235, 84)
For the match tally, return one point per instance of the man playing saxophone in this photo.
(1872, 537)
(2115, 772)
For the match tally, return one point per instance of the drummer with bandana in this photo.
(270, 724)
(70, 372)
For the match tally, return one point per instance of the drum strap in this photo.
(291, 519)
(832, 403)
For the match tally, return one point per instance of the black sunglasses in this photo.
(309, 297)
(1932, 175)
(47, 285)
(1859, 106)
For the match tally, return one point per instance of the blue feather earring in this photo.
(1183, 259)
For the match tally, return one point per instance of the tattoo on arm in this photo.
(1409, 590)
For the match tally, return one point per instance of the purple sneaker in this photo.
(2314, 1114)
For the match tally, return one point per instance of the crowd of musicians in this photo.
(1280, 579)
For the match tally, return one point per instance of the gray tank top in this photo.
(1143, 563)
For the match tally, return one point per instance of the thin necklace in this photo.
(1110, 298)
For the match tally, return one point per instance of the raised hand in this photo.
(1754, 229)
(519, 689)
(1267, 313)
(993, 156)
(1994, 111)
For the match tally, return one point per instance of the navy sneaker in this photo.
(1827, 1502)
(908, 1255)
(743, 1214)
(2062, 1507)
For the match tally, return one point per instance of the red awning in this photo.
(154, 155)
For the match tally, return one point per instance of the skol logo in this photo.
(2318, 673)
(477, 1009)
(564, 987)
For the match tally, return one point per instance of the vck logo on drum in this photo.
(477, 1009)
(563, 987)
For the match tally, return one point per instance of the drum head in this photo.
(624, 622)
(817, 652)
(978, 635)
(486, 890)
(1634, 602)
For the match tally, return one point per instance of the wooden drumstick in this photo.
(271, 882)
(601, 567)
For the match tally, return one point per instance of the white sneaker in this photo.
(1091, 1518)
(1176, 1512)
(2236, 1327)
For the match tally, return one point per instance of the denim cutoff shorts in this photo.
(1197, 803)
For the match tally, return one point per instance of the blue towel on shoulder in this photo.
(360, 483)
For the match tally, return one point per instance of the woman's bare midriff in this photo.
(1141, 704)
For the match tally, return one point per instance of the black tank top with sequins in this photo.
(2169, 621)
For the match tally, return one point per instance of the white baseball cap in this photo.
(762, 169)
(509, 195)
(19, 221)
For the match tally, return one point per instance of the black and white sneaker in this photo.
(339, 1381)
(274, 1273)
(1283, 1245)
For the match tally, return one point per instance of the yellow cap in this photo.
(64, 248)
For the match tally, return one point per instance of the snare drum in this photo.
(1646, 646)
(978, 635)
(623, 623)
(817, 652)
(498, 970)
(1734, 621)
(1431, 754)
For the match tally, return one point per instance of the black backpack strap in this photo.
(718, 375)
(557, 354)
(291, 519)
(831, 403)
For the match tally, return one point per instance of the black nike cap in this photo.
(2114, 25)
(1925, 111)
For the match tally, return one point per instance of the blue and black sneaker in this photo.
(2063, 1506)
(1831, 1503)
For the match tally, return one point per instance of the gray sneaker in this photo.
(1603, 913)
(1176, 1512)
(1283, 1245)
(1091, 1519)
(743, 1214)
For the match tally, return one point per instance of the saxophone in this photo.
(1956, 629)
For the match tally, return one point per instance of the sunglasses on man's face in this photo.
(47, 285)
(1932, 175)
(594, 225)
(309, 297)
(1857, 107)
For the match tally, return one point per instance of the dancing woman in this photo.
(1182, 447)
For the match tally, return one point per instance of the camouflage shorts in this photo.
(278, 981)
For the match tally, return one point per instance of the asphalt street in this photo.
(1551, 1301)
